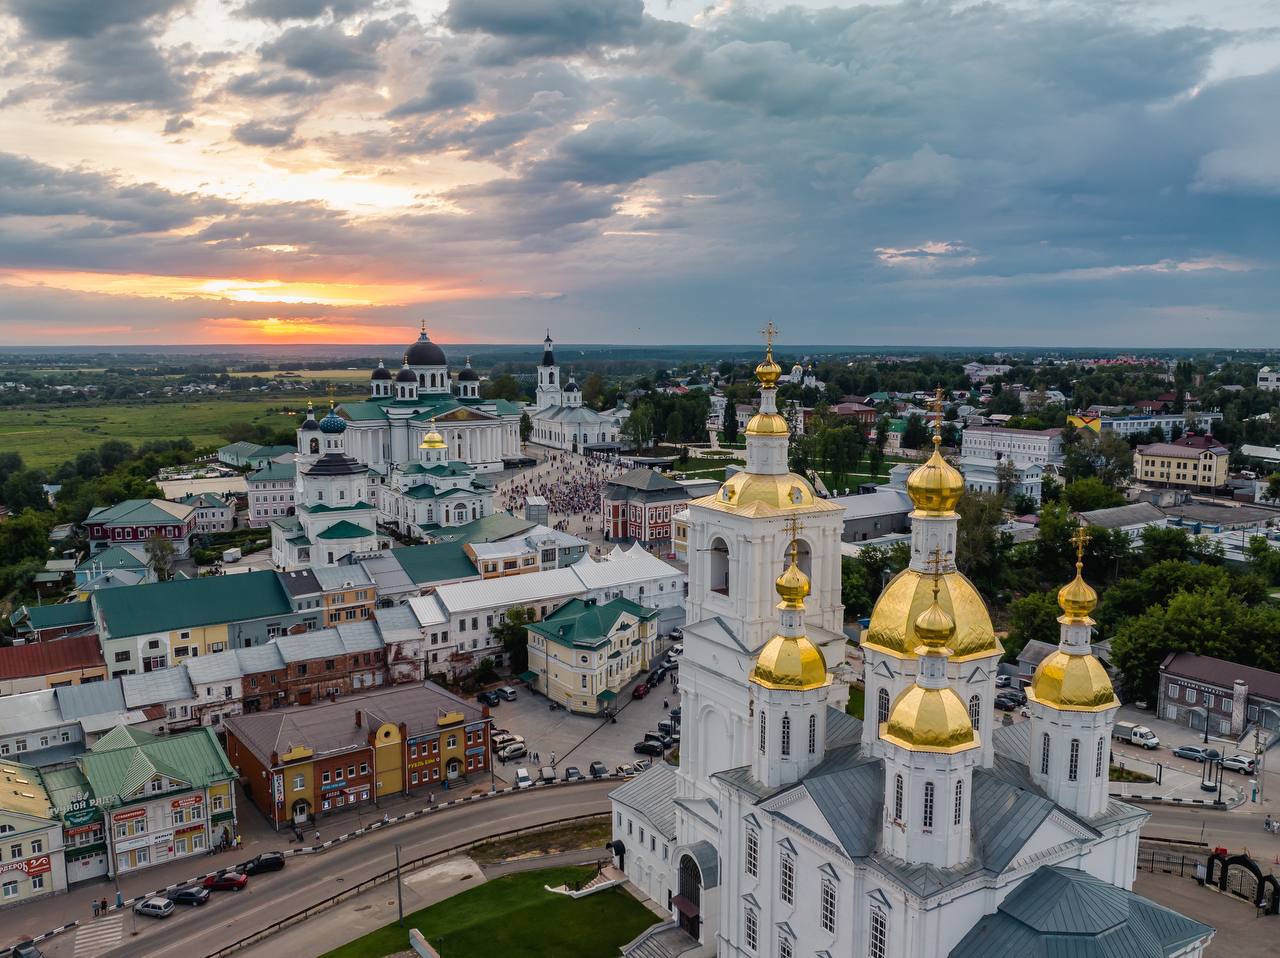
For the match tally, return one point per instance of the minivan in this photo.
(512, 750)
(522, 778)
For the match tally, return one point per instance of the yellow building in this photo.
(1187, 467)
(31, 863)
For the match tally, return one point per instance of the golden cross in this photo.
(423, 326)
(937, 413)
(1080, 537)
(769, 332)
(330, 389)
(935, 566)
(793, 530)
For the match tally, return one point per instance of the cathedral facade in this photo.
(560, 420)
(790, 828)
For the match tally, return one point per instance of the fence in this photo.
(1172, 861)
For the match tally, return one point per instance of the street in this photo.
(308, 879)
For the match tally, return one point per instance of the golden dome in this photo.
(933, 626)
(787, 491)
(767, 424)
(910, 593)
(790, 662)
(936, 486)
(1077, 598)
(433, 439)
(792, 586)
(929, 720)
(1073, 683)
(768, 372)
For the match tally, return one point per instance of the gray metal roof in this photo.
(29, 711)
(341, 577)
(1066, 913)
(652, 795)
(704, 853)
(1005, 816)
(397, 623)
(218, 667)
(360, 636)
(849, 792)
(388, 575)
(260, 658)
(300, 582)
(1117, 517)
(155, 688)
(90, 698)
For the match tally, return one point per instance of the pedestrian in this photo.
(102, 904)
(665, 705)
(553, 758)
(317, 836)
(95, 908)
(431, 798)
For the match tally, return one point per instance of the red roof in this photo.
(47, 658)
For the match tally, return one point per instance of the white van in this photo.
(522, 778)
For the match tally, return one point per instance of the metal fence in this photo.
(1172, 862)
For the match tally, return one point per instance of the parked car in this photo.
(154, 907)
(572, 774)
(27, 949)
(266, 862)
(678, 648)
(641, 764)
(226, 881)
(677, 633)
(512, 751)
(489, 698)
(523, 779)
(1005, 704)
(597, 770)
(625, 769)
(671, 729)
(649, 747)
(546, 775)
(1003, 681)
(500, 740)
(191, 895)
(1244, 764)
(640, 691)
(508, 693)
(1197, 753)
(1018, 696)
(1135, 735)
(666, 741)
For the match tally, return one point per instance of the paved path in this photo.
(1241, 933)
(308, 879)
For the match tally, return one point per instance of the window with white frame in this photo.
(959, 809)
(785, 948)
(828, 906)
(787, 879)
(897, 798)
(928, 806)
(786, 734)
(750, 929)
(882, 706)
(878, 937)
(1073, 762)
(753, 853)
(813, 734)
(1044, 754)
(1097, 760)
(975, 710)
(764, 735)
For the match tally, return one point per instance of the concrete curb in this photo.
(1163, 800)
(333, 842)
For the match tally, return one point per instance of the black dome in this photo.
(406, 376)
(309, 424)
(382, 372)
(469, 375)
(425, 353)
(572, 388)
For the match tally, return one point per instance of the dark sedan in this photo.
(266, 862)
(649, 748)
(191, 895)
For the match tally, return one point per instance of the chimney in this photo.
(359, 718)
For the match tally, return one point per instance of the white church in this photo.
(792, 829)
(560, 420)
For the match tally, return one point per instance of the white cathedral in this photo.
(560, 420)
(792, 829)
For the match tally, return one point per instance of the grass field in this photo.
(334, 375)
(516, 915)
(49, 436)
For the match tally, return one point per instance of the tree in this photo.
(593, 389)
(1033, 616)
(1111, 456)
(505, 387)
(160, 556)
(638, 427)
(980, 546)
(916, 433)
(1273, 486)
(526, 427)
(864, 576)
(25, 536)
(876, 459)
(513, 633)
(675, 427)
(1006, 477)
(1263, 559)
(1089, 493)
(1050, 489)
(730, 423)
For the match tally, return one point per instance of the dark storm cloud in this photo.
(80, 19)
(280, 10)
(329, 51)
(622, 151)
(123, 66)
(263, 84)
(540, 28)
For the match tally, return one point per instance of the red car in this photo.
(227, 881)
(640, 691)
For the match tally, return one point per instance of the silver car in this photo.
(1244, 764)
(154, 907)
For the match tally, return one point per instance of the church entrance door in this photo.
(689, 899)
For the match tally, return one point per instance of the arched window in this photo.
(882, 706)
(878, 946)
(315, 447)
(753, 853)
(1097, 762)
(718, 567)
(897, 798)
(1073, 764)
(786, 735)
(959, 810)
(764, 735)
(975, 711)
(928, 805)
(813, 734)
(1044, 754)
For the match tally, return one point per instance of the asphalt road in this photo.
(229, 916)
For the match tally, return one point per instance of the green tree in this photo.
(1006, 478)
(1050, 489)
(675, 427)
(526, 427)
(512, 632)
(24, 490)
(1089, 493)
(1033, 616)
(980, 545)
(638, 427)
(916, 433)
(876, 458)
(1264, 560)
(25, 536)
(1162, 544)
(160, 554)
(1273, 486)
(730, 423)
(505, 387)
(864, 576)
(593, 389)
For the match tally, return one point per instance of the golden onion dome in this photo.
(433, 439)
(936, 486)
(793, 586)
(934, 627)
(767, 424)
(790, 662)
(893, 620)
(929, 720)
(786, 491)
(1077, 598)
(1072, 683)
(768, 372)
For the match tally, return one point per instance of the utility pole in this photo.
(399, 890)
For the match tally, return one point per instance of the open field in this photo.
(334, 375)
(48, 436)
(516, 915)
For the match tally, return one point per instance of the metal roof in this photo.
(1138, 513)
(90, 698)
(46, 658)
(342, 577)
(396, 623)
(260, 658)
(182, 603)
(119, 764)
(156, 688)
(63, 613)
(133, 512)
(29, 711)
(652, 795)
(216, 667)
(442, 562)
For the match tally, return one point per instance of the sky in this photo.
(1014, 172)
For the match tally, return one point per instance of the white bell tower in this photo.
(549, 385)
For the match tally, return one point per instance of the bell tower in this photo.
(549, 384)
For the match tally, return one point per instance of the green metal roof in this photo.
(586, 623)
(435, 563)
(115, 557)
(203, 500)
(500, 525)
(183, 603)
(65, 613)
(344, 530)
(421, 492)
(142, 512)
(123, 760)
(608, 695)
(321, 507)
(274, 472)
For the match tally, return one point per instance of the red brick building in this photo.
(137, 520)
(639, 505)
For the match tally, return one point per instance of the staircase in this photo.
(664, 940)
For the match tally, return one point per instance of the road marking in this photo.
(99, 936)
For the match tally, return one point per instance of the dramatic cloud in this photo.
(329, 51)
(279, 10)
(277, 132)
(80, 19)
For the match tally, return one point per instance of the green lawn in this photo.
(516, 915)
(857, 701)
(50, 435)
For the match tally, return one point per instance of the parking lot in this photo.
(580, 739)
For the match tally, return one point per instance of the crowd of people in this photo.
(572, 486)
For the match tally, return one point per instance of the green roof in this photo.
(505, 407)
(344, 530)
(421, 492)
(203, 500)
(274, 471)
(115, 557)
(183, 603)
(500, 525)
(65, 613)
(586, 623)
(142, 512)
(449, 470)
(123, 760)
(435, 563)
(312, 510)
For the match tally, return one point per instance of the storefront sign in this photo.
(189, 829)
(129, 844)
(80, 812)
(39, 865)
(82, 830)
(129, 815)
(277, 788)
(187, 801)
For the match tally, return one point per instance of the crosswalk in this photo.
(99, 935)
